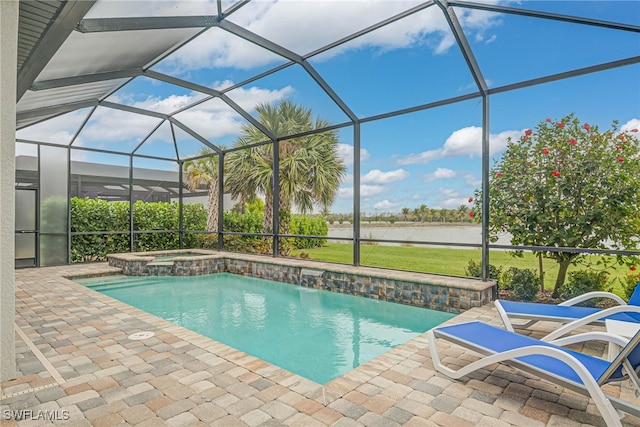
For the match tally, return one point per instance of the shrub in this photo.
(156, 216)
(97, 215)
(304, 225)
(631, 280)
(523, 283)
(474, 269)
(583, 281)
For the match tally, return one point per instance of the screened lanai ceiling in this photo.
(166, 79)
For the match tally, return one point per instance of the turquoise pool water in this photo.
(317, 334)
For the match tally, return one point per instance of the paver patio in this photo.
(77, 362)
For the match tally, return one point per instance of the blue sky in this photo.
(429, 157)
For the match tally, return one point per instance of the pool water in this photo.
(317, 334)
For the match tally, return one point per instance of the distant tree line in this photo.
(420, 214)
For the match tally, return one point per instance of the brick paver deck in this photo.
(78, 365)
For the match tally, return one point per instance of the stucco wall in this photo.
(8, 38)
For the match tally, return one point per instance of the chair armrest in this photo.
(591, 336)
(568, 327)
(591, 295)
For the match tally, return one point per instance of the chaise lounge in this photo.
(580, 372)
(568, 312)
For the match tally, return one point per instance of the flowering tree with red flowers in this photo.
(568, 185)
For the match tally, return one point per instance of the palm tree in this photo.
(203, 173)
(462, 212)
(405, 213)
(310, 169)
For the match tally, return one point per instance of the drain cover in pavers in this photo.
(141, 335)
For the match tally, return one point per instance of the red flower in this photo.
(470, 199)
(545, 150)
(587, 127)
(618, 147)
(499, 174)
(620, 159)
(560, 124)
(556, 174)
(572, 141)
(470, 214)
(548, 120)
(632, 268)
(528, 132)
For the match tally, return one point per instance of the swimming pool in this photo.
(317, 334)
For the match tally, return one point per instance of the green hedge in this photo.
(97, 215)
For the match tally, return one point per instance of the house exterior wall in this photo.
(8, 66)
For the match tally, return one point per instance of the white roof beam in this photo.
(50, 41)
(88, 78)
(55, 109)
(100, 25)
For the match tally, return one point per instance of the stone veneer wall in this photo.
(144, 265)
(452, 295)
(434, 296)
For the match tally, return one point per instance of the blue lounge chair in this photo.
(567, 312)
(548, 360)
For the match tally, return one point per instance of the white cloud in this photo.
(365, 191)
(248, 98)
(376, 176)
(463, 142)
(109, 128)
(279, 20)
(26, 150)
(385, 204)
(630, 125)
(58, 130)
(370, 190)
(451, 198)
(108, 125)
(448, 192)
(165, 105)
(453, 202)
(424, 157)
(472, 181)
(345, 152)
(491, 39)
(214, 118)
(440, 173)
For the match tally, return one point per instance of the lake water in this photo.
(438, 234)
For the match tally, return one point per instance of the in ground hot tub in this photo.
(186, 262)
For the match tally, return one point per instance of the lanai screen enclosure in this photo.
(122, 97)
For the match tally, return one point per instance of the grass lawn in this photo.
(448, 261)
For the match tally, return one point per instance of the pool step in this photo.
(117, 285)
